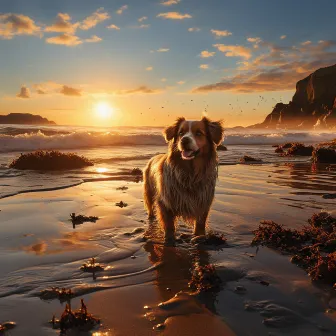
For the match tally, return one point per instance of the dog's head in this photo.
(194, 138)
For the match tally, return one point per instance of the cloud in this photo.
(93, 39)
(206, 54)
(112, 26)
(204, 66)
(70, 91)
(17, 24)
(140, 90)
(62, 24)
(95, 18)
(234, 50)
(163, 50)
(143, 19)
(282, 37)
(194, 29)
(278, 69)
(24, 92)
(163, 79)
(306, 43)
(122, 9)
(174, 16)
(65, 39)
(181, 82)
(149, 68)
(170, 2)
(41, 92)
(143, 26)
(221, 33)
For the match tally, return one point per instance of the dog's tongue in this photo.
(187, 155)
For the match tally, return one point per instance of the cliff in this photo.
(313, 104)
(25, 119)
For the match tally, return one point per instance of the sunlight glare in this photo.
(103, 110)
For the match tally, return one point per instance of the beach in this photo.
(262, 292)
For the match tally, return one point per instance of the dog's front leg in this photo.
(200, 224)
(167, 220)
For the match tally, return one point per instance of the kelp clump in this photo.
(62, 294)
(313, 247)
(80, 219)
(50, 161)
(80, 319)
(205, 279)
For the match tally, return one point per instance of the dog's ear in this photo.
(216, 130)
(170, 132)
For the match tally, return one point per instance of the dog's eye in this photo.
(199, 133)
(181, 133)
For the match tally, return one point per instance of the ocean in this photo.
(119, 149)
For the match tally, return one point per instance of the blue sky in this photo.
(185, 56)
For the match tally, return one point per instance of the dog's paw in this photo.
(169, 241)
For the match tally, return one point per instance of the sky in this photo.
(146, 62)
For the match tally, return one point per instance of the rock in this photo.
(25, 119)
(324, 155)
(279, 150)
(221, 148)
(299, 149)
(249, 159)
(329, 196)
(313, 104)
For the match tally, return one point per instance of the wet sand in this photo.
(40, 248)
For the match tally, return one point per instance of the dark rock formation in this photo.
(313, 104)
(25, 119)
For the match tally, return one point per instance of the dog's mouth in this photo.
(189, 154)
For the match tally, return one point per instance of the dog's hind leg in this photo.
(167, 220)
(200, 224)
(149, 195)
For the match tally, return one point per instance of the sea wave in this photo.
(82, 139)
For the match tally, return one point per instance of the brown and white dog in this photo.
(181, 183)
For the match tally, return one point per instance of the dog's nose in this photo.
(185, 141)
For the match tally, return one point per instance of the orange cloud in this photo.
(97, 17)
(207, 54)
(174, 16)
(62, 24)
(139, 90)
(17, 24)
(204, 66)
(149, 68)
(282, 37)
(221, 33)
(93, 39)
(65, 39)
(122, 9)
(170, 2)
(113, 26)
(194, 29)
(143, 19)
(234, 50)
(163, 50)
(70, 91)
(24, 92)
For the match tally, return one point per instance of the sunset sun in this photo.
(103, 110)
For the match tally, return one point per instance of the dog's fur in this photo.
(182, 182)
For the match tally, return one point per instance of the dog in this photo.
(181, 183)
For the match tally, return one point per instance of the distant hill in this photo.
(313, 104)
(25, 119)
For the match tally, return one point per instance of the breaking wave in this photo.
(84, 139)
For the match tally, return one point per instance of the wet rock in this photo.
(279, 150)
(159, 326)
(264, 283)
(221, 148)
(240, 289)
(298, 149)
(329, 196)
(249, 159)
(122, 188)
(136, 172)
(324, 155)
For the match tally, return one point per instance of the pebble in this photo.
(240, 289)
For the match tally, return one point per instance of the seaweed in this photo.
(5, 326)
(205, 279)
(211, 238)
(79, 319)
(50, 161)
(313, 248)
(122, 188)
(80, 219)
(121, 204)
(92, 267)
(62, 294)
